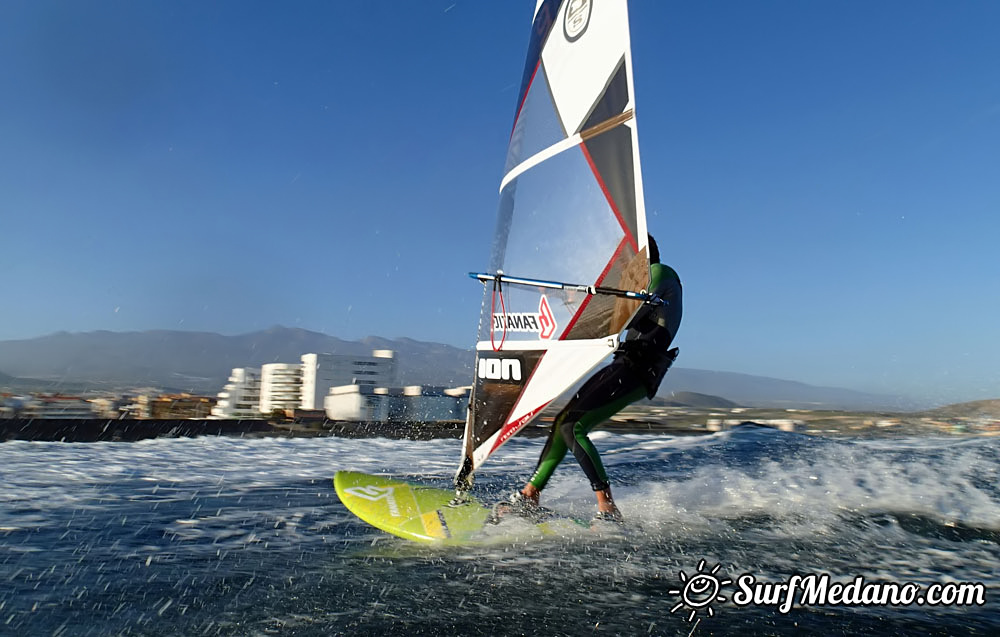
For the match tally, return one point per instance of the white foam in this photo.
(943, 479)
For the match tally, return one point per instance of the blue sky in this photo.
(824, 176)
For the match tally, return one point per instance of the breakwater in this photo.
(130, 430)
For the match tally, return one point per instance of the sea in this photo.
(246, 536)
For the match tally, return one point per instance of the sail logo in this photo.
(548, 322)
(500, 369)
(541, 322)
(374, 494)
(576, 19)
(517, 322)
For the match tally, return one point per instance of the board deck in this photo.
(423, 514)
(410, 511)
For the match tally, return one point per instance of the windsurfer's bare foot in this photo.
(607, 511)
(531, 493)
(523, 503)
(606, 503)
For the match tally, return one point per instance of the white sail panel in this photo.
(565, 359)
(537, 127)
(578, 70)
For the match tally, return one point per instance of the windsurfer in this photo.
(640, 363)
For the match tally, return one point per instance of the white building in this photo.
(240, 398)
(280, 386)
(57, 407)
(358, 403)
(431, 404)
(251, 392)
(398, 404)
(13, 406)
(321, 372)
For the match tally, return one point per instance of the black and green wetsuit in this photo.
(636, 372)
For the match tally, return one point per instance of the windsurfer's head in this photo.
(654, 252)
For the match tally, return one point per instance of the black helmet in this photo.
(654, 252)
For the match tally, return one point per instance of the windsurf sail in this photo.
(571, 210)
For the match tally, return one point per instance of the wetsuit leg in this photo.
(556, 445)
(552, 455)
(605, 394)
(575, 435)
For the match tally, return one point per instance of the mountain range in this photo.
(200, 362)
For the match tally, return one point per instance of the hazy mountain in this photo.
(691, 399)
(761, 391)
(201, 362)
(986, 409)
(24, 385)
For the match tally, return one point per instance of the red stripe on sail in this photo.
(524, 98)
(515, 426)
(512, 427)
(600, 280)
(607, 195)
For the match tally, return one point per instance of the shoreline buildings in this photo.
(414, 403)
(322, 372)
(240, 398)
(341, 386)
(332, 386)
(57, 406)
(280, 386)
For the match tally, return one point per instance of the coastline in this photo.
(642, 419)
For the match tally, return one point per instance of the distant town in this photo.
(320, 386)
(358, 395)
(978, 418)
